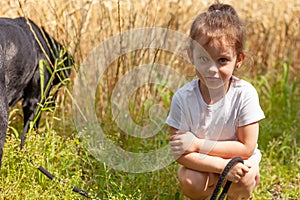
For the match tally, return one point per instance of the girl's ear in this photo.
(240, 59)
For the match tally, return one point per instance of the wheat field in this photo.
(273, 27)
(81, 25)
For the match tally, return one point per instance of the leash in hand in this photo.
(222, 179)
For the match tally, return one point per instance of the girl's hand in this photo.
(238, 171)
(183, 142)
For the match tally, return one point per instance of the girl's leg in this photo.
(244, 188)
(196, 185)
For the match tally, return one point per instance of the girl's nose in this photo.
(212, 69)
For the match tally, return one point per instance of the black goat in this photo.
(22, 46)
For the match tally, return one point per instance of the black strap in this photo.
(80, 191)
(222, 178)
(75, 189)
(45, 172)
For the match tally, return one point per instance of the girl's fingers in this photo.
(173, 144)
(245, 168)
(180, 132)
(238, 178)
(174, 137)
(248, 163)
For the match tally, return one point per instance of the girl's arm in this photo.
(207, 163)
(202, 162)
(247, 139)
(199, 162)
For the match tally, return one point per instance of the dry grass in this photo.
(273, 34)
(273, 27)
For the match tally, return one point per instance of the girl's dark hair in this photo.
(220, 23)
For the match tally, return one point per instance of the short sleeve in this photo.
(176, 117)
(251, 110)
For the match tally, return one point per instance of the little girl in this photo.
(215, 117)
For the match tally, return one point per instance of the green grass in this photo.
(280, 134)
(61, 151)
(67, 159)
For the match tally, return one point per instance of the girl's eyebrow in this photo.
(225, 52)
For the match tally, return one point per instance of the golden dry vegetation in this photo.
(273, 26)
(81, 25)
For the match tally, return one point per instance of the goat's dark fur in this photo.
(20, 54)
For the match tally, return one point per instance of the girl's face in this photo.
(215, 64)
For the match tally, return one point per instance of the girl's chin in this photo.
(215, 86)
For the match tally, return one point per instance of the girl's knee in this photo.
(247, 184)
(192, 179)
(251, 180)
(194, 184)
(244, 188)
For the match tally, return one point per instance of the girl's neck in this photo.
(211, 96)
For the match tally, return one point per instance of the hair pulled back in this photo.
(220, 23)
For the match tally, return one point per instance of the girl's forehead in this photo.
(220, 44)
(217, 42)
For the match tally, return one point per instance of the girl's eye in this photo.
(223, 60)
(203, 59)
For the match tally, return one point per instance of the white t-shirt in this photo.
(219, 121)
